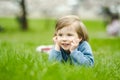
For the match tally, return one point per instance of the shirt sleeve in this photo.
(55, 55)
(83, 56)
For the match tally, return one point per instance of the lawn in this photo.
(20, 61)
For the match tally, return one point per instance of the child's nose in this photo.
(64, 38)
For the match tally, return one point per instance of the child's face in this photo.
(66, 36)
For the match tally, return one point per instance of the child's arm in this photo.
(55, 55)
(83, 56)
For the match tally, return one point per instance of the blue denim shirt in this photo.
(82, 55)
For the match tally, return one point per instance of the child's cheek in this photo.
(71, 39)
(58, 39)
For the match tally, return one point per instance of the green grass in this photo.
(20, 61)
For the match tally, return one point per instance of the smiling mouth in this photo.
(65, 44)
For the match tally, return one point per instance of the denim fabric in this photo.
(82, 55)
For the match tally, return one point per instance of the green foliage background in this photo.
(20, 61)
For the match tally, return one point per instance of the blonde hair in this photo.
(76, 22)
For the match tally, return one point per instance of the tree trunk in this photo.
(23, 18)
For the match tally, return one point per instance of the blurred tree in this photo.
(22, 17)
(109, 15)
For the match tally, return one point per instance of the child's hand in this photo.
(56, 42)
(74, 44)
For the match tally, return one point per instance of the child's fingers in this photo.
(55, 38)
(72, 43)
(76, 41)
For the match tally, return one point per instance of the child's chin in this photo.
(66, 49)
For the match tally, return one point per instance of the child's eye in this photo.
(70, 35)
(59, 34)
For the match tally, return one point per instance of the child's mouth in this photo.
(65, 44)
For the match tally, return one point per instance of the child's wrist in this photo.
(71, 51)
(57, 47)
